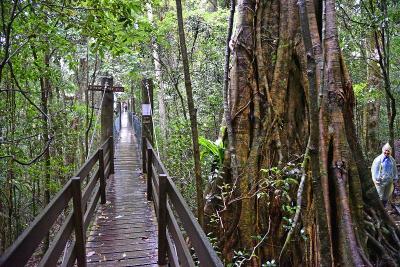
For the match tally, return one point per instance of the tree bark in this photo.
(192, 116)
(289, 88)
(370, 127)
(382, 46)
(322, 234)
(44, 93)
(81, 78)
(45, 90)
(89, 111)
(159, 79)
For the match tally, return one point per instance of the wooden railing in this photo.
(84, 202)
(168, 201)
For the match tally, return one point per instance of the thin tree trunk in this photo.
(371, 108)
(81, 78)
(10, 214)
(44, 93)
(382, 45)
(10, 171)
(182, 101)
(158, 74)
(2, 227)
(45, 90)
(370, 127)
(89, 119)
(192, 115)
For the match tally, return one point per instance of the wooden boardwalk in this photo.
(124, 232)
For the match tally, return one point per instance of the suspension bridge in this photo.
(120, 209)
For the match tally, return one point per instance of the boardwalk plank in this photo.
(139, 241)
(124, 231)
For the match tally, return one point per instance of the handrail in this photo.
(167, 199)
(76, 221)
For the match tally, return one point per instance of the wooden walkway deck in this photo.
(124, 232)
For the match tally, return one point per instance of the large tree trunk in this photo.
(270, 107)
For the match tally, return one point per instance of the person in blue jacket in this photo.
(384, 174)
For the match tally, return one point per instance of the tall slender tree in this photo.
(192, 115)
(159, 79)
(383, 46)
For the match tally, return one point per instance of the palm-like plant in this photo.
(215, 149)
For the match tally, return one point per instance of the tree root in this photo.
(229, 231)
(298, 206)
(394, 236)
(385, 236)
(381, 250)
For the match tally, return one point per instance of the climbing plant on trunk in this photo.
(276, 113)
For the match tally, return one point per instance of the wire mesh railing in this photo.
(117, 125)
(135, 123)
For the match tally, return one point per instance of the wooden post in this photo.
(107, 110)
(149, 173)
(144, 155)
(162, 219)
(80, 246)
(147, 121)
(111, 144)
(119, 108)
(102, 177)
(147, 91)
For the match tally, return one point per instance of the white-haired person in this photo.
(384, 174)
